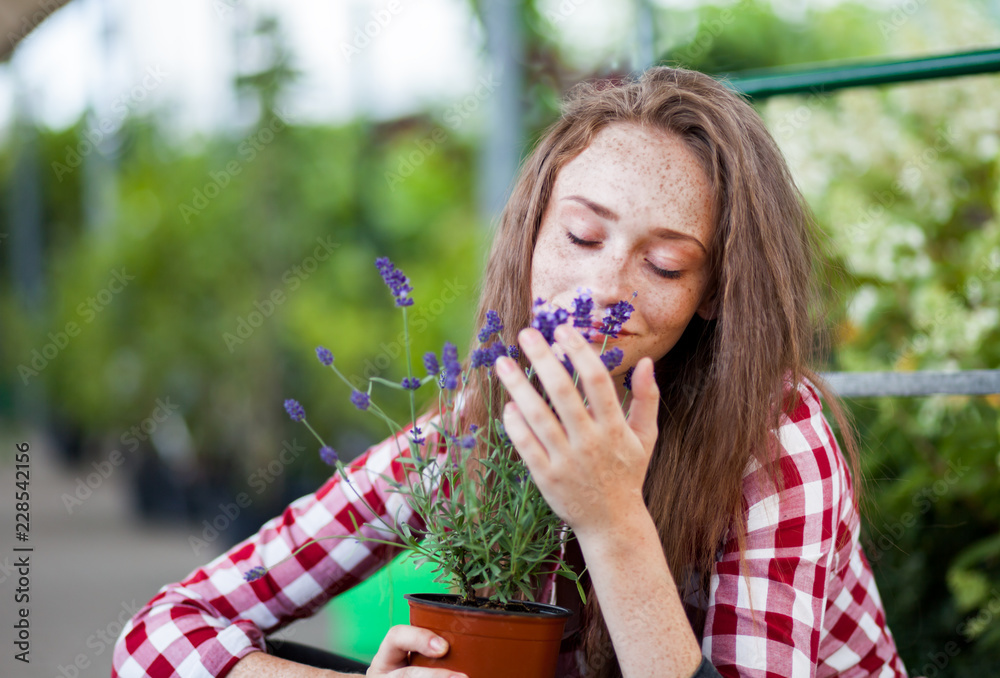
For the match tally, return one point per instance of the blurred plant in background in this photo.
(241, 250)
(903, 181)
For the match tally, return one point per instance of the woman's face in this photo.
(631, 213)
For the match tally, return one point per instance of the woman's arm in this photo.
(639, 600)
(211, 620)
(261, 665)
(590, 462)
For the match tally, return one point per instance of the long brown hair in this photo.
(724, 384)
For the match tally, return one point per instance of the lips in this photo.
(621, 333)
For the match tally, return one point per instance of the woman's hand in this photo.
(589, 462)
(392, 658)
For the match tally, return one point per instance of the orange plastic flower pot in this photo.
(485, 643)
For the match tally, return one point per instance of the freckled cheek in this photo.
(668, 322)
(552, 273)
(546, 281)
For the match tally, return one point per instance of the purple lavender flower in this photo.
(478, 358)
(411, 383)
(568, 365)
(502, 436)
(431, 363)
(467, 442)
(360, 400)
(615, 317)
(398, 283)
(295, 410)
(324, 355)
(452, 367)
(473, 428)
(583, 306)
(612, 358)
(513, 352)
(487, 357)
(328, 455)
(628, 378)
(416, 436)
(492, 326)
(255, 573)
(546, 321)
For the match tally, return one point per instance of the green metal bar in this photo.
(766, 83)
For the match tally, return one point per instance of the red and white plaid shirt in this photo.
(803, 607)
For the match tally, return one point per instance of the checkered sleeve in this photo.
(766, 621)
(206, 623)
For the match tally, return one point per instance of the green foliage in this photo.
(753, 34)
(300, 221)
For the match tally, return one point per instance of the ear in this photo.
(708, 309)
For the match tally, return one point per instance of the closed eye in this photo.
(580, 241)
(662, 272)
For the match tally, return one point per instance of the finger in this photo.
(533, 408)
(645, 403)
(556, 381)
(402, 639)
(602, 399)
(421, 672)
(525, 442)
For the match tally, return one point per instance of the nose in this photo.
(610, 283)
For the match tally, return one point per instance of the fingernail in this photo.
(505, 365)
(528, 337)
(437, 645)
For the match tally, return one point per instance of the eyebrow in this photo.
(611, 215)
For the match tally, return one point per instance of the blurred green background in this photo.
(221, 298)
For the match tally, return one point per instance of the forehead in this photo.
(640, 171)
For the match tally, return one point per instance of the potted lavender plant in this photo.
(486, 523)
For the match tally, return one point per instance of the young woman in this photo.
(718, 522)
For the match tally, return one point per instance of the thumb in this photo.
(645, 403)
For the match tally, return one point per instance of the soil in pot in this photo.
(489, 643)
